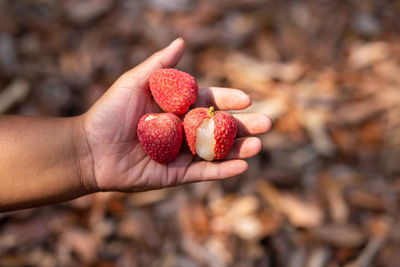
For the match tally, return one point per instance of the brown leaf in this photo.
(333, 192)
(300, 213)
(340, 235)
(149, 197)
(81, 242)
(367, 54)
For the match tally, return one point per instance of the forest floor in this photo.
(324, 191)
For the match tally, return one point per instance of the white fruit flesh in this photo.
(150, 117)
(205, 141)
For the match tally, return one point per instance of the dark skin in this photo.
(50, 160)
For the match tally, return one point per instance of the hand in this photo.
(118, 161)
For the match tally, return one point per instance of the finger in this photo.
(222, 98)
(252, 123)
(165, 58)
(205, 171)
(245, 148)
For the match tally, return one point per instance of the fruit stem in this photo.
(211, 111)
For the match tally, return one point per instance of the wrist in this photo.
(83, 156)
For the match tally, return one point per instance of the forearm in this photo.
(42, 161)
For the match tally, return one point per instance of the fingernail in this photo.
(248, 97)
(176, 41)
(270, 120)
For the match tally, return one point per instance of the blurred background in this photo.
(324, 191)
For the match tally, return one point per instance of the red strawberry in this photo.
(209, 134)
(160, 136)
(173, 90)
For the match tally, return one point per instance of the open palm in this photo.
(120, 163)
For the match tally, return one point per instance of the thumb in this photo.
(165, 58)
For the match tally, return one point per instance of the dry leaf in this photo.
(340, 235)
(298, 212)
(368, 54)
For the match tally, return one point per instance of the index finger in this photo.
(222, 98)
